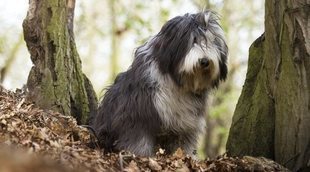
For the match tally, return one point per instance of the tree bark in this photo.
(56, 80)
(272, 117)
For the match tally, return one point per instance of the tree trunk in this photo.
(56, 80)
(272, 117)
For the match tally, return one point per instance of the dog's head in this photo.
(192, 50)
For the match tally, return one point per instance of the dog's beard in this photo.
(200, 69)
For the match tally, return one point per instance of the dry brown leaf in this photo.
(184, 168)
(154, 165)
(178, 153)
(132, 167)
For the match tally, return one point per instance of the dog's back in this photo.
(127, 116)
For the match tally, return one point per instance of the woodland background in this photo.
(107, 32)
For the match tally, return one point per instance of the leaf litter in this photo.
(32, 139)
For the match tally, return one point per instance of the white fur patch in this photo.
(209, 51)
(192, 59)
(207, 17)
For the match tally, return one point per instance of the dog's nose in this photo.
(204, 62)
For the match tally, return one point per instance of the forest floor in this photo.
(32, 139)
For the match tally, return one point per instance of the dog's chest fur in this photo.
(180, 112)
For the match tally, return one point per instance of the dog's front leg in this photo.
(138, 142)
(186, 141)
(189, 144)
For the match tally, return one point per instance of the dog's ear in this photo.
(223, 49)
(223, 66)
(211, 19)
(171, 44)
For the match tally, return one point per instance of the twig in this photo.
(121, 159)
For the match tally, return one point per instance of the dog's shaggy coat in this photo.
(160, 100)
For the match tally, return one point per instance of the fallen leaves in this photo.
(32, 139)
(154, 165)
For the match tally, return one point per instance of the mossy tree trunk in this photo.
(272, 117)
(56, 80)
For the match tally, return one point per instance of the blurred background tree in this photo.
(107, 32)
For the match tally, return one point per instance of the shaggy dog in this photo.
(160, 101)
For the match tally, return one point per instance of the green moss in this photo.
(251, 131)
(47, 89)
(289, 104)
